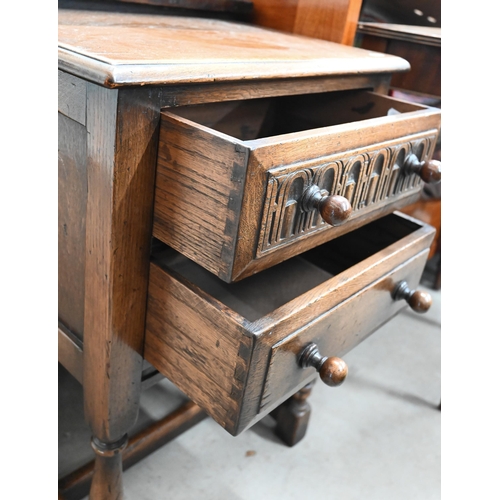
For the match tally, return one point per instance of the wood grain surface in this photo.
(340, 329)
(122, 143)
(186, 94)
(230, 175)
(117, 71)
(199, 344)
(198, 200)
(72, 210)
(116, 49)
(216, 340)
(333, 20)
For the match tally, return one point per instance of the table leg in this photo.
(122, 140)
(292, 416)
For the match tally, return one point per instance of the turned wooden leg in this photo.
(108, 471)
(76, 485)
(122, 133)
(292, 417)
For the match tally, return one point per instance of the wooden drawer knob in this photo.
(332, 371)
(429, 170)
(418, 300)
(334, 209)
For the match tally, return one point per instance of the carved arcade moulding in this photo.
(367, 177)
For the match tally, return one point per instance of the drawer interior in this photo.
(259, 118)
(262, 293)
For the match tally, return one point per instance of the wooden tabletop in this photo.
(116, 49)
(426, 35)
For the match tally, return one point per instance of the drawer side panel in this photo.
(199, 188)
(200, 347)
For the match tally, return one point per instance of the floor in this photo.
(376, 437)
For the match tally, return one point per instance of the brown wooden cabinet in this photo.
(196, 152)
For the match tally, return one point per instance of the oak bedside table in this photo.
(227, 200)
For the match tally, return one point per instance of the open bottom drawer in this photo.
(234, 348)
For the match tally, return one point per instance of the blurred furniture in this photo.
(421, 47)
(232, 6)
(410, 13)
(333, 20)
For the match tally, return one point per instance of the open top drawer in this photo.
(234, 348)
(235, 180)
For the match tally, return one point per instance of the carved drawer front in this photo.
(243, 185)
(235, 348)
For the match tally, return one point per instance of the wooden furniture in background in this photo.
(423, 13)
(234, 6)
(421, 47)
(119, 304)
(333, 20)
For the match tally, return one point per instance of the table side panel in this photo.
(72, 97)
(72, 212)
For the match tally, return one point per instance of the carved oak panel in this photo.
(367, 177)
